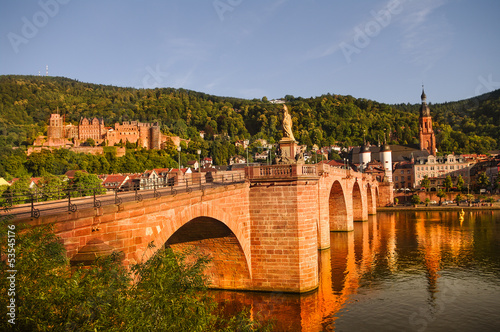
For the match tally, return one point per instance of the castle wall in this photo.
(146, 135)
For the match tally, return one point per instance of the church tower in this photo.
(427, 138)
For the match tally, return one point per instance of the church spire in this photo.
(424, 109)
(426, 134)
(423, 96)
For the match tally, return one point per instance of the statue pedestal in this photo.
(288, 147)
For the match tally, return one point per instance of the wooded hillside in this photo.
(26, 102)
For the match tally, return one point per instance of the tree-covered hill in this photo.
(26, 103)
(467, 126)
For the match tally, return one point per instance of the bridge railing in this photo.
(39, 201)
(280, 171)
(324, 168)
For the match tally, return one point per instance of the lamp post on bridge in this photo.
(468, 178)
(179, 149)
(199, 163)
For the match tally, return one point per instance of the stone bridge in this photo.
(263, 234)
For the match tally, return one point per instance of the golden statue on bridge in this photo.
(288, 151)
(287, 124)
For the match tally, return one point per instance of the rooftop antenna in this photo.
(47, 70)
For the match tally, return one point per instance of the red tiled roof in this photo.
(115, 178)
(36, 180)
(161, 170)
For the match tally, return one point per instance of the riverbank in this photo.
(420, 207)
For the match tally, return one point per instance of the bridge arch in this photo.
(337, 206)
(223, 236)
(228, 267)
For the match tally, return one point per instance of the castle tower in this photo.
(155, 141)
(365, 156)
(426, 134)
(55, 129)
(386, 160)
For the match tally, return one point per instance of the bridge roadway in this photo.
(262, 233)
(37, 207)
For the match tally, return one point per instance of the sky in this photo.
(383, 50)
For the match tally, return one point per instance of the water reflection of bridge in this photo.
(378, 251)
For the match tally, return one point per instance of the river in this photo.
(399, 271)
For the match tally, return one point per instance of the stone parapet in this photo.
(280, 172)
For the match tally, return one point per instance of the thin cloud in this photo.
(425, 38)
(276, 5)
(349, 33)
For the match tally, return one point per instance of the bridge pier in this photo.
(284, 228)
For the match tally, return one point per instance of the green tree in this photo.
(441, 194)
(415, 199)
(470, 198)
(460, 183)
(458, 199)
(425, 183)
(84, 184)
(165, 293)
(19, 192)
(51, 187)
(448, 183)
(90, 142)
(483, 181)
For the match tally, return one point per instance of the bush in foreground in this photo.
(165, 293)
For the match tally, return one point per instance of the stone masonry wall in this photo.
(284, 236)
(131, 226)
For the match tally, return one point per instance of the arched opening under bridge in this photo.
(228, 267)
(339, 218)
